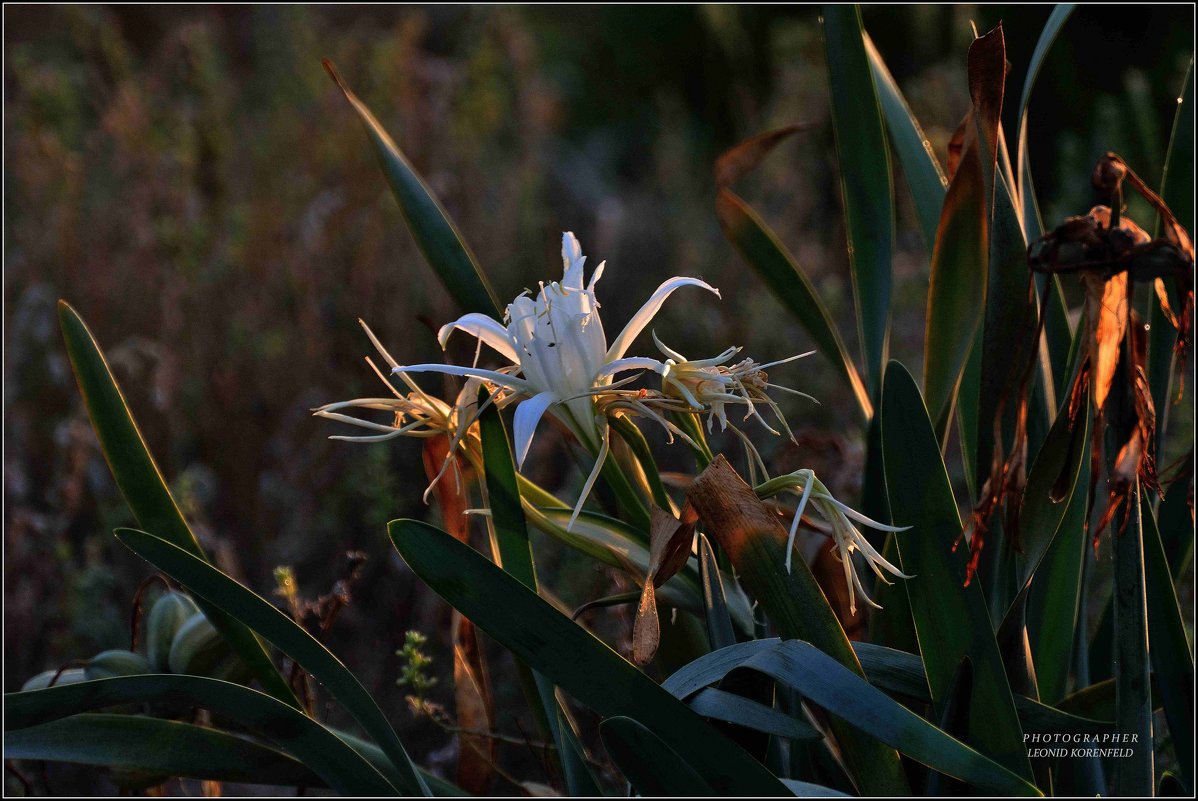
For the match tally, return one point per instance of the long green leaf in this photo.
(1054, 607)
(435, 234)
(1177, 190)
(1171, 653)
(951, 620)
(868, 193)
(731, 708)
(303, 738)
(1056, 20)
(902, 673)
(208, 583)
(142, 485)
(957, 284)
(1054, 478)
(795, 604)
(649, 764)
(829, 684)
(571, 657)
(152, 745)
(761, 250)
(515, 556)
(925, 177)
(1133, 692)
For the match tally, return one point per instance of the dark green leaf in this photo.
(1171, 653)
(762, 251)
(1054, 478)
(571, 657)
(651, 766)
(142, 484)
(1133, 696)
(921, 168)
(957, 284)
(829, 684)
(435, 234)
(732, 708)
(951, 619)
(868, 194)
(1177, 190)
(515, 556)
(208, 583)
(151, 745)
(294, 732)
(715, 608)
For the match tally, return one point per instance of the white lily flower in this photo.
(846, 537)
(558, 352)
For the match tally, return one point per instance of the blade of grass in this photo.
(769, 258)
(1171, 653)
(1177, 190)
(834, 687)
(651, 766)
(208, 583)
(951, 620)
(866, 187)
(437, 237)
(921, 168)
(515, 557)
(715, 611)
(571, 657)
(151, 745)
(1133, 775)
(294, 732)
(957, 284)
(142, 484)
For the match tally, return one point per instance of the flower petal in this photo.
(486, 329)
(647, 312)
(528, 414)
(632, 363)
(495, 377)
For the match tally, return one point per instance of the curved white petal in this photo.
(528, 414)
(495, 377)
(647, 312)
(631, 363)
(484, 328)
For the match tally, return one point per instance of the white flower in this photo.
(558, 352)
(845, 535)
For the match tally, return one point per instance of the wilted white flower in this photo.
(846, 537)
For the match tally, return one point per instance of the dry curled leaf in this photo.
(670, 542)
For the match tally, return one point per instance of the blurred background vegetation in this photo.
(193, 183)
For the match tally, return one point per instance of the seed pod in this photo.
(117, 662)
(42, 680)
(166, 617)
(198, 648)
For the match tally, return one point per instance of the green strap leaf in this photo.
(1171, 653)
(222, 592)
(1177, 190)
(1133, 689)
(515, 555)
(829, 684)
(715, 607)
(435, 234)
(151, 745)
(864, 162)
(761, 250)
(651, 766)
(731, 708)
(142, 485)
(303, 738)
(571, 657)
(957, 283)
(951, 620)
(921, 168)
